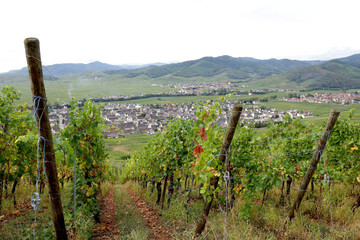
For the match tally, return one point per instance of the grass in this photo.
(325, 217)
(318, 109)
(82, 86)
(129, 219)
(18, 223)
(120, 149)
(179, 216)
(104, 188)
(202, 98)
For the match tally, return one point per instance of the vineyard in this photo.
(296, 181)
(194, 157)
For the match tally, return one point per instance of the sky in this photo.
(151, 31)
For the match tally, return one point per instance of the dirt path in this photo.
(150, 216)
(107, 228)
(121, 149)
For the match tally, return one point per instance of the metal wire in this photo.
(75, 185)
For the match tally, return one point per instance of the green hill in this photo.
(99, 79)
(335, 74)
(232, 68)
(341, 73)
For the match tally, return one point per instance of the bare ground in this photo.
(150, 217)
(107, 228)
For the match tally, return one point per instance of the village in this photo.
(201, 88)
(123, 119)
(192, 89)
(340, 98)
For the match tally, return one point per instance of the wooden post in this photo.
(222, 157)
(32, 49)
(314, 161)
(164, 191)
(356, 204)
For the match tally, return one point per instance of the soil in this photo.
(150, 217)
(107, 228)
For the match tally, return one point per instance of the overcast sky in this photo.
(149, 31)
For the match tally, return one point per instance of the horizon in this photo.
(139, 65)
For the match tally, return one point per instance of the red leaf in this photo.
(197, 150)
(202, 133)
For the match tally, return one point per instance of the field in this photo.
(99, 84)
(81, 86)
(121, 148)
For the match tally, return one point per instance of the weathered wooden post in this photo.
(32, 49)
(164, 191)
(236, 112)
(314, 162)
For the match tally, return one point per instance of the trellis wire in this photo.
(189, 198)
(75, 185)
(47, 69)
(227, 173)
(227, 179)
(327, 180)
(37, 105)
(35, 197)
(227, 182)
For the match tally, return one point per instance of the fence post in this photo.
(314, 162)
(236, 112)
(32, 49)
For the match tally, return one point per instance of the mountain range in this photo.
(75, 68)
(343, 73)
(232, 68)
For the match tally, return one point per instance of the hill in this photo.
(341, 73)
(76, 68)
(207, 67)
(351, 59)
(232, 68)
(99, 79)
(71, 68)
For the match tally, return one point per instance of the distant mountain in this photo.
(233, 68)
(343, 73)
(76, 68)
(130, 66)
(70, 68)
(351, 59)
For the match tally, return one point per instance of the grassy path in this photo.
(150, 216)
(128, 217)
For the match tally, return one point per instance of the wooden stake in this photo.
(164, 191)
(314, 162)
(32, 49)
(222, 157)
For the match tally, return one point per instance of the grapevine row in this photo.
(82, 141)
(256, 164)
